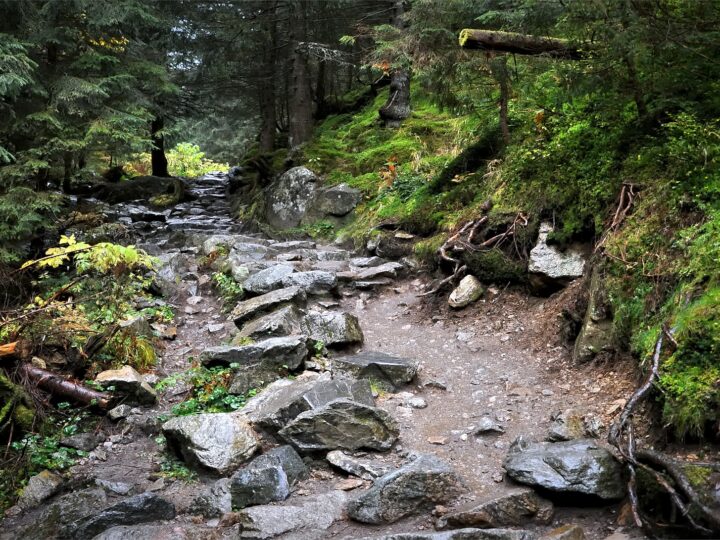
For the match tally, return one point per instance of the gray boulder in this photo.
(514, 509)
(337, 201)
(332, 328)
(213, 501)
(289, 352)
(366, 262)
(250, 251)
(217, 441)
(60, 517)
(138, 509)
(83, 441)
(285, 321)
(268, 478)
(306, 517)
(549, 263)
(241, 270)
(268, 280)
(293, 245)
(289, 197)
(284, 400)
(39, 488)
(415, 487)
(468, 291)
(386, 270)
(265, 303)
(367, 469)
(581, 467)
(341, 424)
(312, 282)
(392, 371)
(126, 381)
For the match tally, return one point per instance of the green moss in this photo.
(495, 266)
(426, 250)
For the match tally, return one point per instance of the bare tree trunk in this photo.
(157, 154)
(267, 97)
(59, 386)
(300, 106)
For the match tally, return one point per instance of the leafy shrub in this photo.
(23, 214)
(230, 290)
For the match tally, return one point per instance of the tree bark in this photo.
(57, 385)
(300, 105)
(157, 154)
(267, 96)
(397, 106)
(512, 42)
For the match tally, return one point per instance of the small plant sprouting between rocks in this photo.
(230, 290)
(208, 390)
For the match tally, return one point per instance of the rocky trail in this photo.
(420, 422)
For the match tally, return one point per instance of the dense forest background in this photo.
(617, 143)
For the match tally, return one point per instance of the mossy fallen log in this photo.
(512, 42)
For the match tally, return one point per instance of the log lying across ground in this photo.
(512, 42)
(59, 386)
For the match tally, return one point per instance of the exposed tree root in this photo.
(625, 204)
(659, 466)
(467, 239)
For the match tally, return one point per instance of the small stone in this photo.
(366, 469)
(468, 291)
(120, 488)
(547, 392)
(194, 300)
(566, 532)
(437, 440)
(349, 484)
(215, 328)
(436, 383)
(83, 441)
(488, 425)
(129, 382)
(417, 402)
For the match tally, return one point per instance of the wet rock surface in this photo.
(377, 366)
(580, 467)
(216, 441)
(419, 485)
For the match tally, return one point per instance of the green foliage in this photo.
(174, 469)
(230, 290)
(23, 214)
(209, 390)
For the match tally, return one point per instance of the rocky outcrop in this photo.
(551, 268)
(518, 508)
(268, 478)
(289, 197)
(341, 424)
(217, 441)
(332, 328)
(386, 369)
(308, 517)
(415, 487)
(578, 467)
(468, 291)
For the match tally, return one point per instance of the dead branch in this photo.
(9, 349)
(625, 204)
(57, 385)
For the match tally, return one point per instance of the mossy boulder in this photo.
(16, 406)
(596, 335)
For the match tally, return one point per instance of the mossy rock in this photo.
(495, 266)
(17, 408)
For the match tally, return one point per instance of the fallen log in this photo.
(493, 40)
(9, 349)
(59, 386)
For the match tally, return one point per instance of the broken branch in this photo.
(57, 385)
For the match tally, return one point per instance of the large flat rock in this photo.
(287, 351)
(377, 366)
(265, 303)
(284, 321)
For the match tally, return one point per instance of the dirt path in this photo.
(495, 358)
